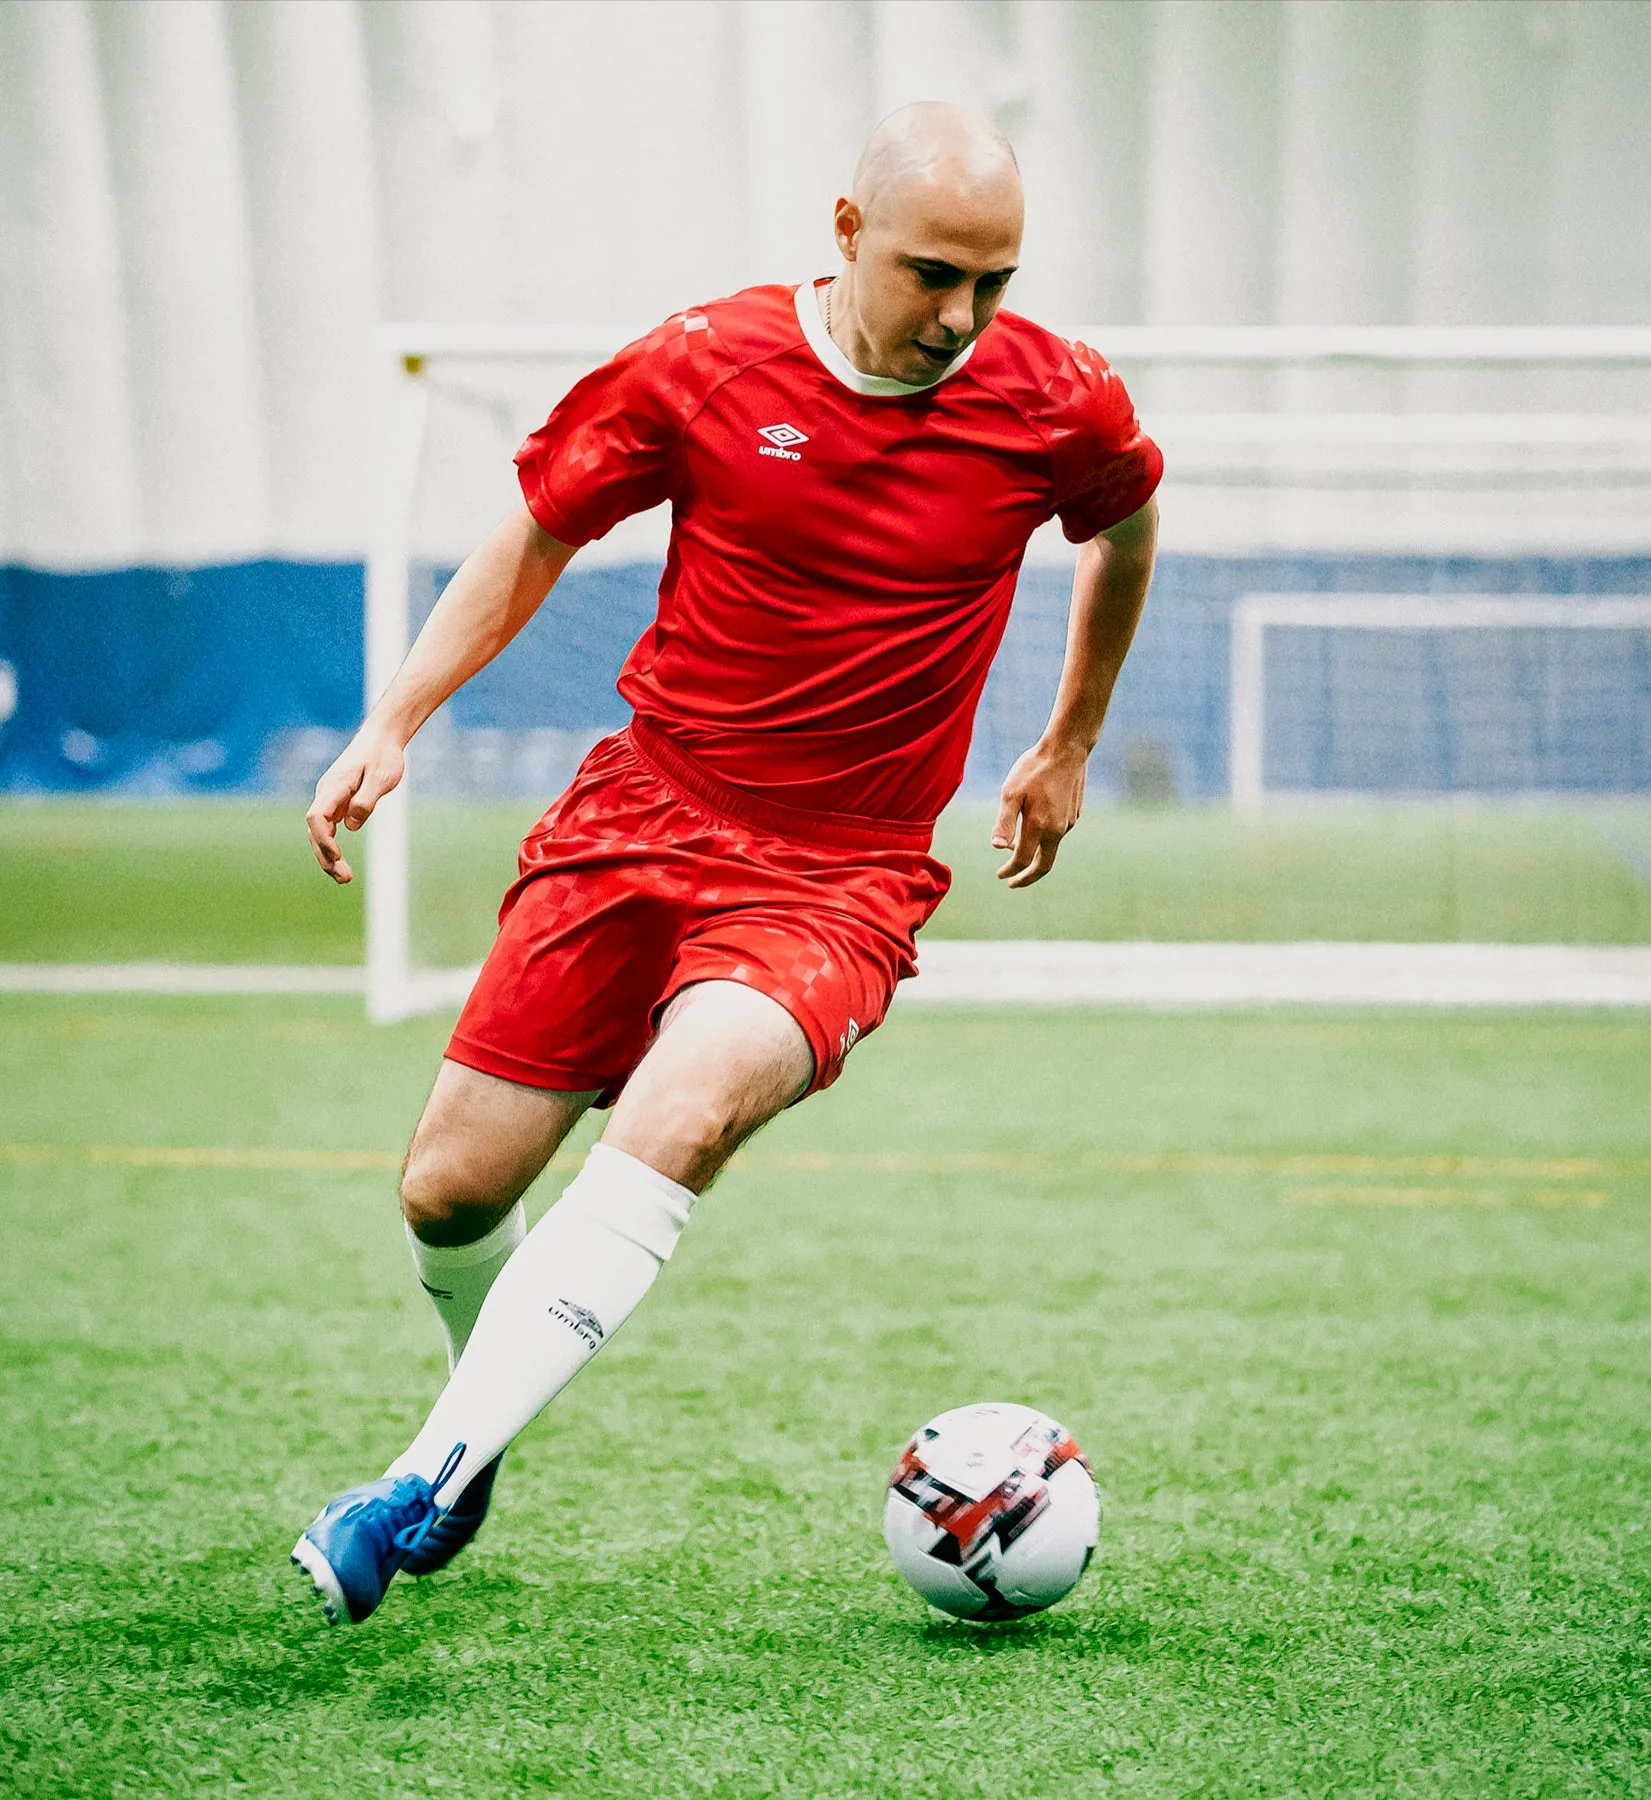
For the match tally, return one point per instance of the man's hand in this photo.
(1042, 798)
(1044, 793)
(371, 765)
(498, 588)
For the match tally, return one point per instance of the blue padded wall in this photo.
(168, 680)
(158, 681)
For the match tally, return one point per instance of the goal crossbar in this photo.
(1237, 344)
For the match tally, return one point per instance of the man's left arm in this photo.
(1043, 794)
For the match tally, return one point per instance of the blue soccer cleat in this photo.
(360, 1540)
(455, 1528)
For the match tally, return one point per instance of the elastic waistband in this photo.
(845, 831)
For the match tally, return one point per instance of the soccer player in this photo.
(719, 907)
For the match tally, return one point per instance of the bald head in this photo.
(950, 150)
(929, 236)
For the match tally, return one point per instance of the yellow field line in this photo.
(1195, 1162)
(194, 1156)
(1439, 1196)
(1392, 1169)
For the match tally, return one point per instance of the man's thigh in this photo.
(480, 1144)
(726, 1060)
(834, 971)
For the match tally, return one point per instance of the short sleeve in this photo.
(1106, 467)
(611, 447)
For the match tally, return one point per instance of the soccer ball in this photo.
(992, 1512)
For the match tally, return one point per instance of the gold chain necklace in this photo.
(831, 288)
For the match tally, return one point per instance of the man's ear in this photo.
(847, 223)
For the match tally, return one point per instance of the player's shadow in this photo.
(1097, 1631)
(296, 1658)
(273, 1650)
(236, 1664)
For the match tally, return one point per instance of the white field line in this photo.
(1040, 973)
(1049, 973)
(181, 978)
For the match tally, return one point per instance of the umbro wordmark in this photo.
(781, 439)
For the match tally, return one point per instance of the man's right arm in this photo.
(500, 586)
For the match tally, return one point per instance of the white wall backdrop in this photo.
(205, 206)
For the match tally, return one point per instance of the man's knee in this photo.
(443, 1200)
(687, 1137)
(703, 1128)
(479, 1146)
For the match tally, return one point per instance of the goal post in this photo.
(395, 987)
(384, 852)
(1241, 412)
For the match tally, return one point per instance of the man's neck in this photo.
(836, 303)
(834, 300)
(842, 348)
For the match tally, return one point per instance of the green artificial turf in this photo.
(1349, 1311)
(132, 881)
(91, 881)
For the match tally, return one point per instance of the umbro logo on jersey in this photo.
(781, 438)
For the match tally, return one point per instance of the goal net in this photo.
(1489, 694)
(1401, 569)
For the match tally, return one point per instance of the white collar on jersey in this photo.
(824, 346)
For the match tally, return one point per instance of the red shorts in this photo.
(648, 875)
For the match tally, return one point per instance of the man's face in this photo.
(930, 269)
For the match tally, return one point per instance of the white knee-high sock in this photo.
(571, 1285)
(458, 1276)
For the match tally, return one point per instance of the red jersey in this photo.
(843, 547)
